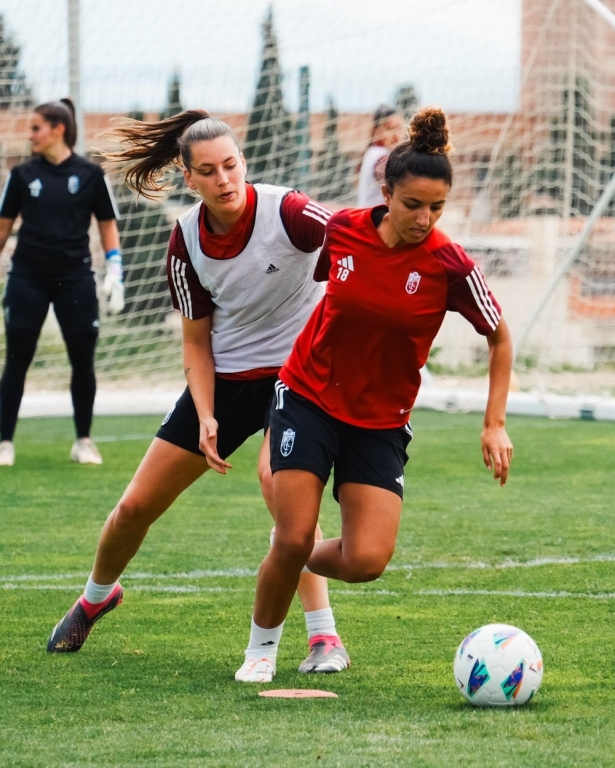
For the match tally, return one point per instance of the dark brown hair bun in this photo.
(428, 132)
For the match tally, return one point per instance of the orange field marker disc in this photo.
(298, 693)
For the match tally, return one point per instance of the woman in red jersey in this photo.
(345, 394)
(240, 266)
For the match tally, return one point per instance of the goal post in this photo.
(596, 214)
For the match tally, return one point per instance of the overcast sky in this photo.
(462, 54)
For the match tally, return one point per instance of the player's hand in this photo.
(208, 443)
(497, 452)
(113, 284)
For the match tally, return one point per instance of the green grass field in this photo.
(154, 684)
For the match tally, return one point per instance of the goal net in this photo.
(529, 88)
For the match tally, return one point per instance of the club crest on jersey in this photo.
(73, 184)
(35, 187)
(412, 285)
(288, 441)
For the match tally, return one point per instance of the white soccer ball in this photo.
(498, 666)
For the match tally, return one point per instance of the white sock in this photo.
(97, 593)
(264, 642)
(320, 622)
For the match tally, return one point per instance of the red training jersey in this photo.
(360, 353)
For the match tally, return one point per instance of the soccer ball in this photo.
(498, 666)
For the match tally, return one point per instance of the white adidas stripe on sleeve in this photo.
(177, 285)
(317, 208)
(487, 311)
(318, 217)
(478, 275)
(178, 272)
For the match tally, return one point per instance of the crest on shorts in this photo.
(288, 441)
(73, 184)
(412, 285)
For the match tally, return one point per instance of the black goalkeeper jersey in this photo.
(56, 203)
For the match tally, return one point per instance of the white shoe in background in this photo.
(7, 453)
(84, 451)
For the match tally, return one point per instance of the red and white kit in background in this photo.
(256, 280)
(360, 354)
(371, 175)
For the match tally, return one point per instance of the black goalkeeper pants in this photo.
(26, 303)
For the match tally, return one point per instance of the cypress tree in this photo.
(406, 101)
(174, 99)
(269, 142)
(302, 130)
(332, 165)
(14, 90)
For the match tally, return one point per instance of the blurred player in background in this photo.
(344, 396)
(387, 131)
(240, 267)
(55, 193)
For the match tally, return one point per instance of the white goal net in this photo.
(529, 86)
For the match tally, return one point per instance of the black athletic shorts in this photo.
(303, 436)
(26, 302)
(241, 409)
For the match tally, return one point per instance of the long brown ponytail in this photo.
(148, 149)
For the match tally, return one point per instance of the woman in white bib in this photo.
(240, 266)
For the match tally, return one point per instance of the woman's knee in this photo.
(295, 545)
(367, 566)
(132, 513)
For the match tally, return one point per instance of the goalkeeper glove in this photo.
(113, 284)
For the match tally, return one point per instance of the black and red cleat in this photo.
(71, 633)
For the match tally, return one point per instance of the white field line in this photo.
(175, 588)
(138, 576)
(106, 438)
(362, 592)
(514, 593)
(137, 588)
(249, 572)
(535, 563)
(192, 589)
(122, 438)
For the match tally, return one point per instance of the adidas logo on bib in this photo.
(271, 269)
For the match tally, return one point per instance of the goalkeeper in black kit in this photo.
(55, 193)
